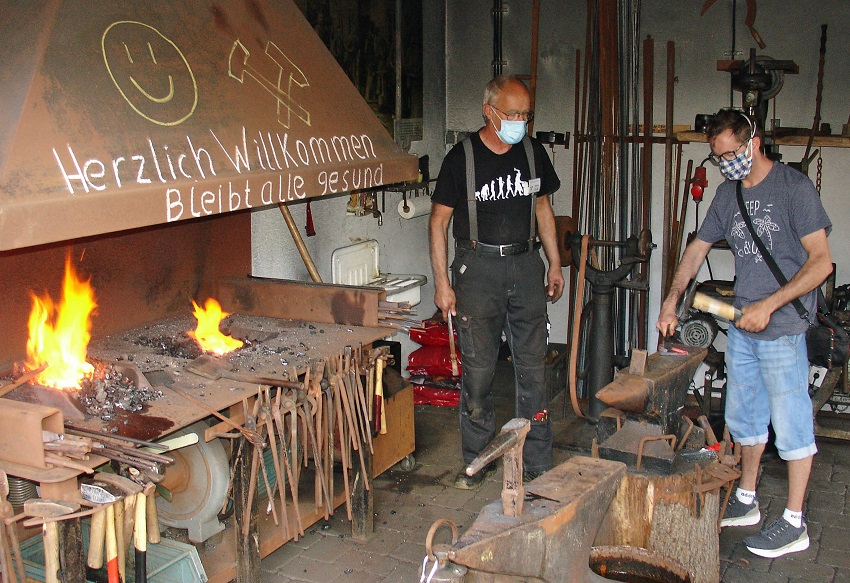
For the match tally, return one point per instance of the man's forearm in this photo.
(689, 266)
(439, 253)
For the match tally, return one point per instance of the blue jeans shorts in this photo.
(768, 382)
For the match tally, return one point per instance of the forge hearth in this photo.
(272, 346)
(129, 393)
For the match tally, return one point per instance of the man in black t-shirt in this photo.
(498, 272)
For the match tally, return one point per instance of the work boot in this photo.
(464, 482)
(740, 514)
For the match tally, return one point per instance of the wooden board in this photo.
(315, 302)
(822, 141)
(399, 440)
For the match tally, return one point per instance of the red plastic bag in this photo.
(432, 333)
(428, 395)
(434, 361)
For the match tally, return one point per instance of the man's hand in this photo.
(667, 320)
(755, 317)
(444, 298)
(554, 283)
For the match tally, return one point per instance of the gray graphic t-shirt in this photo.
(784, 207)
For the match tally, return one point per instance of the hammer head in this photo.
(687, 301)
(46, 508)
(100, 492)
(125, 485)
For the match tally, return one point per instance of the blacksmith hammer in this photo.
(99, 493)
(704, 303)
(45, 508)
(508, 444)
(133, 493)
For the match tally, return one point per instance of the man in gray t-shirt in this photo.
(766, 358)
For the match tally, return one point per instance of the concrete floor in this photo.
(408, 503)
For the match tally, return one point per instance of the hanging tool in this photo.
(45, 508)
(309, 229)
(307, 416)
(112, 573)
(152, 514)
(140, 538)
(807, 157)
(284, 457)
(267, 418)
(99, 493)
(337, 386)
(379, 380)
(124, 516)
(251, 423)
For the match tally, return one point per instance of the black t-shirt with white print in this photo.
(501, 190)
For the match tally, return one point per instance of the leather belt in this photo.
(501, 250)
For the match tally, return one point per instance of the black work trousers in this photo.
(502, 294)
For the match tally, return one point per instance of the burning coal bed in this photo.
(109, 388)
(130, 367)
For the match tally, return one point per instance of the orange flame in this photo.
(59, 335)
(207, 334)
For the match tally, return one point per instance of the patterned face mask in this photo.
(740, 166)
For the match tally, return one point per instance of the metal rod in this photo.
(74, 430)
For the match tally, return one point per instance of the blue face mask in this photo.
(512, 132)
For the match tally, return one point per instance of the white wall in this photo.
(457, 63)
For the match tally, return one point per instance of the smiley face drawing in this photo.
(150, 72)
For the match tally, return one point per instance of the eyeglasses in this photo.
(728, 156)
(515, 115)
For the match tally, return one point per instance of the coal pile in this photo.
(112, 389)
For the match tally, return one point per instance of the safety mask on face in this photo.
(739, 167)
(512, 132)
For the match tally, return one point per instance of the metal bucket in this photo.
(636, 565)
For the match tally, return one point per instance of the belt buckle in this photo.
(502, 249)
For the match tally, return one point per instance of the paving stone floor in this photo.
(408, 503)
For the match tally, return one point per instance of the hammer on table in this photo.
(45, 508)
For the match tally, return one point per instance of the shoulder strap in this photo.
(470, 189)
(765, 254)
(532, 169)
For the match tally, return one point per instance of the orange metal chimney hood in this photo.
(119, 115)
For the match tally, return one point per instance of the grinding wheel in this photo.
(198, 482)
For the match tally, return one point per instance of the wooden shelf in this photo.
(820, 141)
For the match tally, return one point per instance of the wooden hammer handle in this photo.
(97, 533)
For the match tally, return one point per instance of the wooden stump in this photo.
(663, 514)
